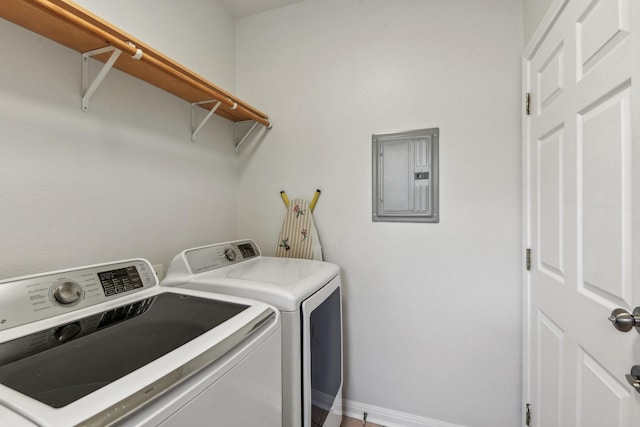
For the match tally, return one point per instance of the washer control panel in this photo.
(220, 255)
(27, 299)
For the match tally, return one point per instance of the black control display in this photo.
(120, 280)
(246, 250)
(124, 312)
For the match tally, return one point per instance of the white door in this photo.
(583, 216)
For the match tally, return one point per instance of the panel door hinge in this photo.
(527, 103)
(527, 416)
(528, 262)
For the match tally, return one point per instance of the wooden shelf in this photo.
(75, 27)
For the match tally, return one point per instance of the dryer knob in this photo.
(67, 292)
(229, 254)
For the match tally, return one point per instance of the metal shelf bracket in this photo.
(242, 140)
(195, 129)
(89, 90)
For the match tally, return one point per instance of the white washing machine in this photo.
(105, 345)
(308, 295)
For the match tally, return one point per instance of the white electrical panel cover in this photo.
(405, 176)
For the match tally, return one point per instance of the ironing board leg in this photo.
(285, 199)
(312, 205)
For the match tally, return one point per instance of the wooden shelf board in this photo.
(30, 15)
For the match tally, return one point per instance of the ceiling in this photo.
(242, 8)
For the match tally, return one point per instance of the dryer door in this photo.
(322, 356)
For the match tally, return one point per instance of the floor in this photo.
(319, 415)
(351, 422)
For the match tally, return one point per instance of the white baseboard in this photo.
(389, 417)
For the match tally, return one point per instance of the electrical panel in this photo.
(405, 176)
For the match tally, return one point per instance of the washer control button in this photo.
(229, 254)
(67, 292)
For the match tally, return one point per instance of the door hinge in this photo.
(528, 259)
(527, 103)
(528, 415)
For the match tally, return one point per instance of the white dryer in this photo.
(308, 294)
(105, 344)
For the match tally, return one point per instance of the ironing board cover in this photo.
(299, 237)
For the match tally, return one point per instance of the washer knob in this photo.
(67, 292)
(229, 254)
(67, 332)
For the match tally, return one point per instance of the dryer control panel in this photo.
(220, 255)
(27, 299)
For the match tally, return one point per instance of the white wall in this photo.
(432, 311)
(123, 180)
(198, 34)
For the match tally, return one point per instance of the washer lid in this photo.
(60, 365)
(12, 419)
(97, 369)
(282, 282)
